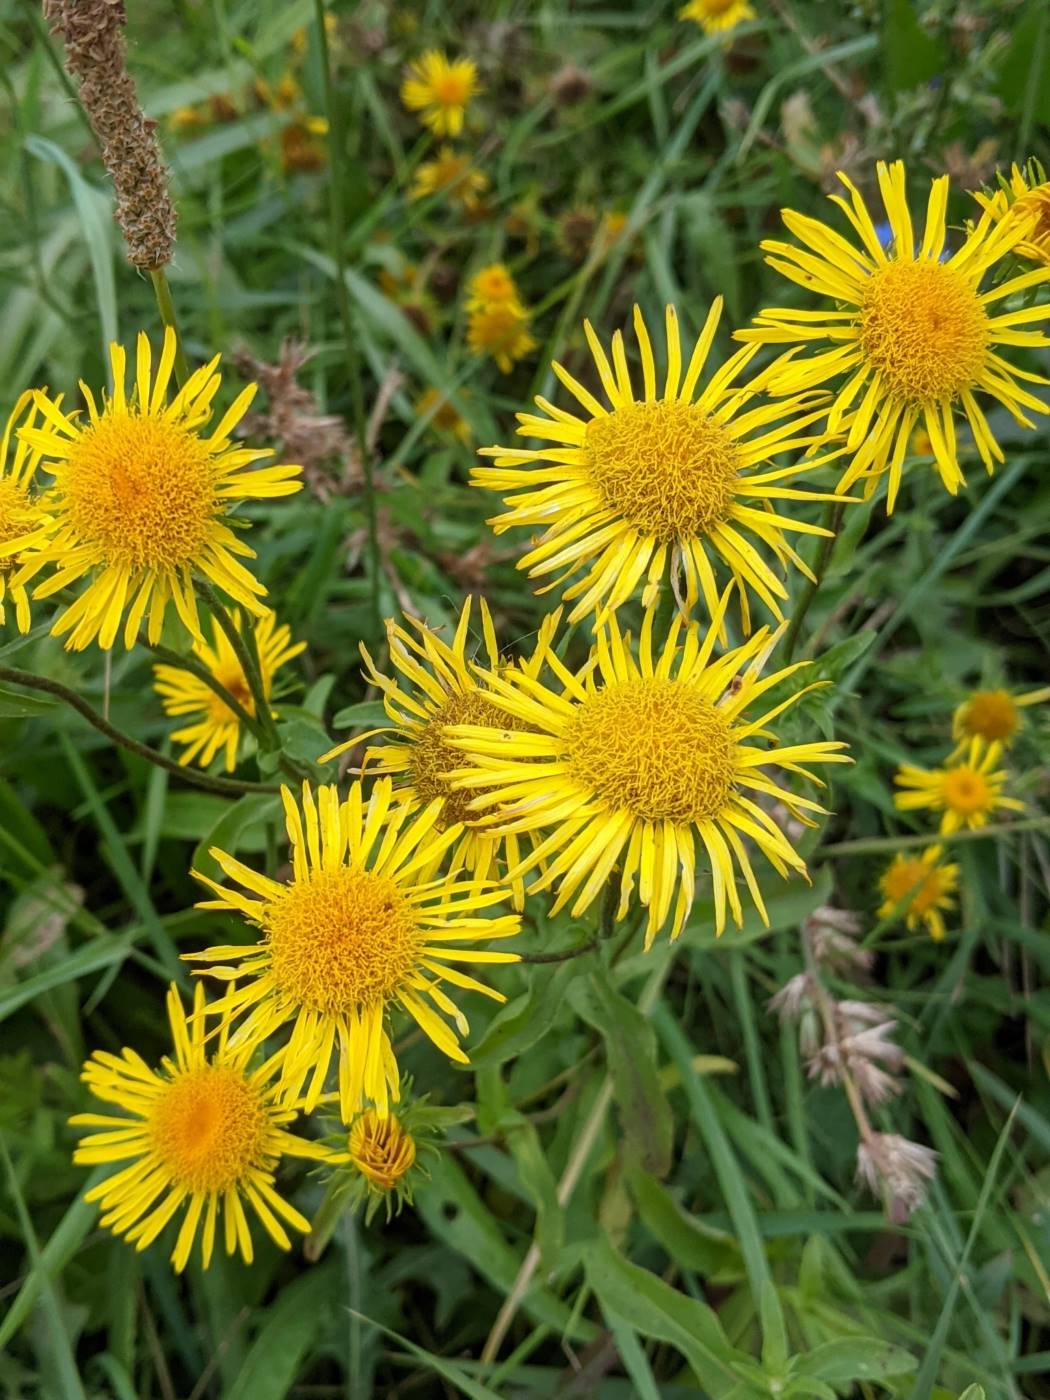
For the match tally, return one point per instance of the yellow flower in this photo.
(440, 91)
(992, 715)
(967, 794)
(24, 521)
(216, 727)
(444, 416)
(203, 1137)
(380, 1149)
(358, 928)
(451, 173)
(500, 329)
(1029, 197)
(493, 286)
(438, 687)
(631, 760)
(658, 484)
(911, 328)
(928, 886)
(717, 16)
(139, 501)
(184, 119)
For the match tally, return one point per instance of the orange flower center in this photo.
(965, 791)
(432, 757)
(208, 1128)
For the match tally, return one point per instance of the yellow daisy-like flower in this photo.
(967, 794)
(911, 328)
(24, 521)
(362, 925)
(928, 886)
(500, 329)
(632, 760)
(1028, 197)
(658, 484)
(451, 173)
(717, 16)
(139, 499)
(438, 687)
(216, 726)
(992, 715)
(380, 1149)
(440, 91)
(444, 416)
(203, 1135)
(493, 285)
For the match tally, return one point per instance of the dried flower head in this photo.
(897, 1169)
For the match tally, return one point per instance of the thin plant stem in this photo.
(336, 225)
(866, 845)
(229, 787)
(248, 657)
(832, 521)
(166, 307)
(194, 668)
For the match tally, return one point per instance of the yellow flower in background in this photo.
(451, 173)
(440, 91)
(717, 16)
(967, 794)
(444, 416)
(216, 727)
(674, 480)
(362, 926)
(139, 501)
(992, 715)
(909, 326)
(203, 1135)
(642, 760)
(500, 329)
(493, 285)
(928, 886)
(24, 521)
(1027, 196)
(437, 686)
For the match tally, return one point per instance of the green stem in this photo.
(227, 786)
(194, 668)
(166, 307)
(869, 844)
(248, 657)
(336, 225)
(832, 521)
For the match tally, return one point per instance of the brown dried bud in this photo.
(92, 31)
(570, 86)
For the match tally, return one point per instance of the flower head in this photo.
(923, 886)
(23, 518)
(436, 686)
(910, 329)
(894, 1167)
(216, 727)
(717, 16)
(500, 329)
(1026, 193)
(362, 925)
(493, 285)
(992, 715)
(203, 1134)
(451, 173)
(675, 480)
(637, 761)
(139, 501)
(967, 793)
(440, 91)
(380, 1149)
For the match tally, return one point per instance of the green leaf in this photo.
(1021, 79)
(366, 714)
(228, 830)
(855, 1359)
(630, 1049)
(689, 1243)
(90, 957)
(286, 1334)
(538, 1180)
(65, 1240)
(911, 55)
(448, 1370)
(774, 1332)
(17, 704)
(525, 1020)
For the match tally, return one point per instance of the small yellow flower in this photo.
(500, 329)
(216, 727)
(992, 715)
(185, 119)
(717, 16)
(637, 764)
(203, 1136)
(967, 794)
(451, 173)
(440, 91)
(24, 521)
(140, 498)
(1028, 196)
(444, 416)
(361, 926)
(381, 1149)
(909, 329)
(928, 886)
(493, 286)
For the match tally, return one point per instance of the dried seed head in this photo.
(570, 85)
(92, 31)
(794, 997)
(832, 933)
(900, 1170)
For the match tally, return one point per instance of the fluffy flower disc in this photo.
(911, 328)
(139, 500)
(992, 715)
(440, 91)
(967, 794)
(924, 887)
(438, 687)
(24, 521)
(646, 486)
(202, 1137)
(635, 758)
(216, 728)
(361, 926)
